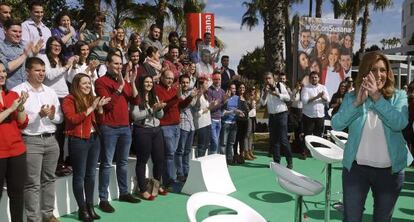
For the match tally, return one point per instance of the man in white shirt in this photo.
(314, 97)
(33, 29)
(204, 68)
(214, 51)
(44, 113)
(275, 96)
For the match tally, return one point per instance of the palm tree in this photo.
(126, 13)
(310, 8)
(272, 14)
(378, 5)
(318, 9)
(90, 8)
(354, 5)
(383, 43)
(175, 10)
(336, 8)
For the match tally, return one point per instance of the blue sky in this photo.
(228, 14)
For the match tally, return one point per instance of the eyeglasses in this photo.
(40, 31)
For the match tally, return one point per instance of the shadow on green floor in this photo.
(271, 196)
(320, 214)
(254, 165)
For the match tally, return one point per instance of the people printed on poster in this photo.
(325, 46)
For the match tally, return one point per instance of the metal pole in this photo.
(298, 208)
(328, 192)
(409, 61)
(399, 77)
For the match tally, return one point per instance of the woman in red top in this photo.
(84, 147)
(12, 149)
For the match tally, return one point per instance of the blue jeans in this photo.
(229, 138)
(203, 139)
(215, 136)
(171, 136)
(385, 187)
(84, 155)
(120, 139)
(182, 155)
(278, 133)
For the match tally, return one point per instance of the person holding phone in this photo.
(275, 96)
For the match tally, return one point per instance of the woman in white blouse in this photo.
(376, 153)
(202, 118)
(83, 64)
(56, 71)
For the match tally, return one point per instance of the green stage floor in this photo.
(256, 185)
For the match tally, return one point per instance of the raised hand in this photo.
(37, 47)
(158, 106)
(82, 28)
(103, 101)
(71, 61)
(372, 86)
(361, 96)
(52, 111)
(44, 111)
(16, 103)
(95, 103)
(28, 48)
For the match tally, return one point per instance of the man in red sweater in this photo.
(115, 131)
(170, 94)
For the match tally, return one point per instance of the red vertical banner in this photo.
(197, 25)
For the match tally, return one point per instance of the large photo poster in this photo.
(325, 46)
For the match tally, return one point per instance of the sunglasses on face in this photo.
(40, 31)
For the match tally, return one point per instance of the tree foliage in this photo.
(51, 7)
(252, 65)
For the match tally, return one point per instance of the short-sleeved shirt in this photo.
(33, 33)
(9, 52)
(100, 51)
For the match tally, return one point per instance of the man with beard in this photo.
(172, 62)
(153, 39)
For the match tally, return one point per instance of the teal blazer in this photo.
(394, 116)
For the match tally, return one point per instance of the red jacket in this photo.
(116, 112)
(11, 141)
(77, 123)
(174, 103)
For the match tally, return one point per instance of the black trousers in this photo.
(313, 126)
(148, 142)
(240, 136)
(13, 169)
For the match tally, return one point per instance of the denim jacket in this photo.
(394, 116)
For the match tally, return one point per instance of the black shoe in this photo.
(230, 162)
(92, 213)
(182, 179)
(128, 198)
(240, 159)
(83, 215)
(290, 166)
(106, 207)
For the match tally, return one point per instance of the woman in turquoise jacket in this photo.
(375, 155)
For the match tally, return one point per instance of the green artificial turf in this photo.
(257, 186)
